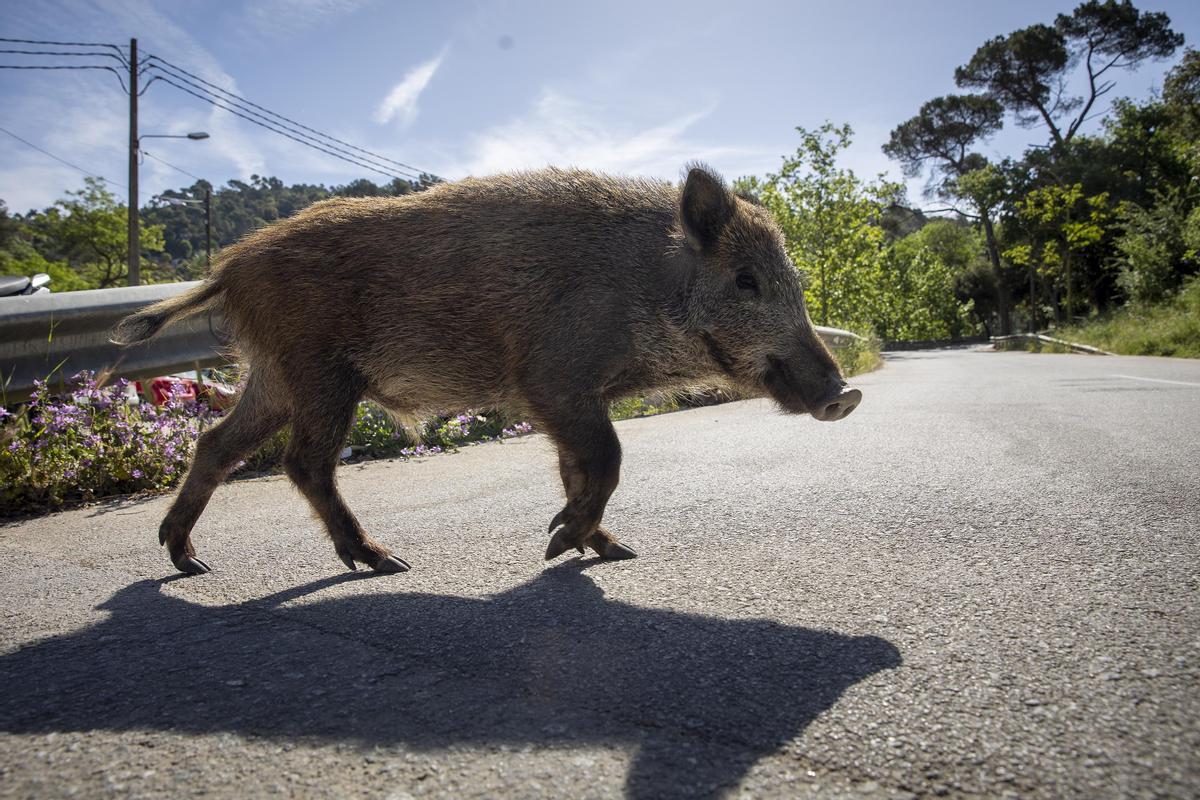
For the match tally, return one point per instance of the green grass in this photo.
(862, 356)
(1170, 329)
(631, 407)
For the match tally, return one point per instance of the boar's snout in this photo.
(826, 398)
(837, 405)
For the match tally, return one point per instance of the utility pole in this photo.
(135, 242)
(208, 227)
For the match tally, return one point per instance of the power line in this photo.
(235, 104)
(77, 53)
(120, 78)
(117, 48)
(60, 160)
(172, 166)
(236, 113)
(152, 57)
(382, 168)
(60, 44)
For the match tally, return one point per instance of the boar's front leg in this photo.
(319, 430)
(589, 460)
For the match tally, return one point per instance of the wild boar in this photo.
(547, 293)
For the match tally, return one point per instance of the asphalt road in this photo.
(985, 581)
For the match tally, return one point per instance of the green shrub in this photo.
(860, 356)
(1167, 329)
(92, 443)
(631, 407)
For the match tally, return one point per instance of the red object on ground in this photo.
(218, 395)
(160, 389)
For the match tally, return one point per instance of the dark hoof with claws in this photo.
(391, 565)
(190, 565)
(613, 551)
(560, 544)
(349, 562)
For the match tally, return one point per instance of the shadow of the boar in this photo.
(549, 663)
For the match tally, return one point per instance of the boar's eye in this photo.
(746, 281)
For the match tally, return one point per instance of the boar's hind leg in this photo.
(319, 430)
(589, 460)
(253, 419)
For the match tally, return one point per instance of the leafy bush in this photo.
(1155, 249)
(631, 407)
(861, 355)
(1168, 329)
(92, 443)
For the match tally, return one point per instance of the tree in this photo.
(829, 217)
(1027, 70)
(9, 226)
(923, 279)
(941, 136)
(89, 231)
(1072, 222)
(1156, 248)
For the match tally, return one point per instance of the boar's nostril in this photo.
(839, 407)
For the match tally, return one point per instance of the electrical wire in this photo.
(172, 166)
(117, 48)
(120, 77)
(60, 160)
(357, 159)
(377, 156)
(76, 53)
(235, 104)
(236, 113)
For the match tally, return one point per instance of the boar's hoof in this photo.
(611, 549)
(190, 565)
(348, 560)
(561, 542)
(391, 565)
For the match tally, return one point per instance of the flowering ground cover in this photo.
(92, 442)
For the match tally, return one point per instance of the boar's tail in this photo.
(141, 326)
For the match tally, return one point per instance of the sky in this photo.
(466, 87)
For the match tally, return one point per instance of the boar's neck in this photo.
(668, 348)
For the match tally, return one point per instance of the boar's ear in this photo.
(704, 208)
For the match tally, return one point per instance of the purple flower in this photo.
(137, 473)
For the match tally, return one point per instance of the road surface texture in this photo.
(983, 582)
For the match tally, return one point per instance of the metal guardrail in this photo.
(836, 337)
(53, 336)
(1004, 342)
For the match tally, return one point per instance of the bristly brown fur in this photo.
(550, 293)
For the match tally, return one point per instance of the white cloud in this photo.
(563, 131)
(283, 18)
(402, 99)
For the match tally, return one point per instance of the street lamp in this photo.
(135, 146)
(195, 135)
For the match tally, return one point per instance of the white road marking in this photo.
(1157, 380)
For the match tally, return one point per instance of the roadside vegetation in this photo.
(1171, 328)
(93, 442)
